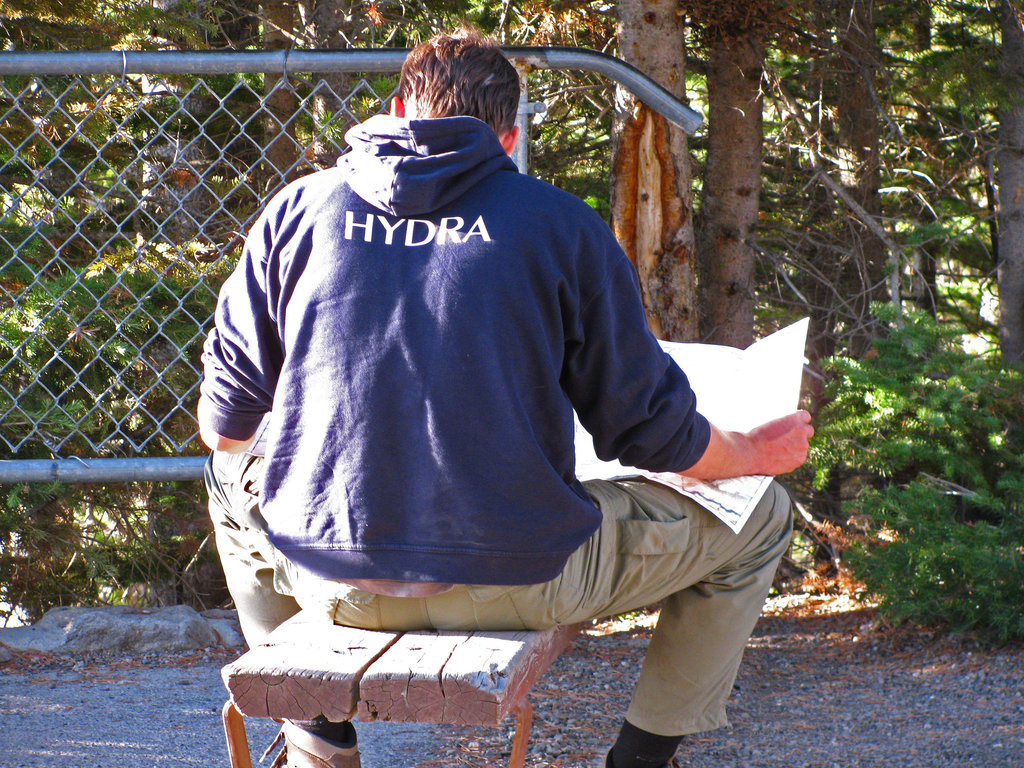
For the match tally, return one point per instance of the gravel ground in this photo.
(147, 712)
(822, 686)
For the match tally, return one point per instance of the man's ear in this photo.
(397, 107)
(509, 138)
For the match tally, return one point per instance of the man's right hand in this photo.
(782, 443)
(773, 448)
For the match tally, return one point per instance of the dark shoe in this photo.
(606, 762)
(304, 750)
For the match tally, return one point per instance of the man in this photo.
(422, 320)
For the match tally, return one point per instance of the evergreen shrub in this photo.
(139, 544)
(926, 437)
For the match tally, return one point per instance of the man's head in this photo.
(461, 74)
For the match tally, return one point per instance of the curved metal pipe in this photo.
(629, 77)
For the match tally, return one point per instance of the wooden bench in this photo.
(308, 668)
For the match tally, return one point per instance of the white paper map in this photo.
(737, 389)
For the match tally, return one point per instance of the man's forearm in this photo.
(774, 448)
(728, 455)
(215, 441)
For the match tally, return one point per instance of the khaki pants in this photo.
(654, 545)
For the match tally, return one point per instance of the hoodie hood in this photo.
(413, 167)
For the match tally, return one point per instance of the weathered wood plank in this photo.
(305, 669)
(447, 677)
(405, 683)
(468, 679)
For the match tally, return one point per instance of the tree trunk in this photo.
(924, 281)
(328, 25)
(281, 103)
(732, 188)
(1011, 188)
(651, 200)
(857, 114)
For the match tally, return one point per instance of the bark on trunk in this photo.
(651, 199)
(732, 188)
(1011, 189)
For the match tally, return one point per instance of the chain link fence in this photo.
(127, 184)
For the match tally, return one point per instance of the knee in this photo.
(781, 514)
(772, 522)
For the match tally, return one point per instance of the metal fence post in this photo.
(521, 156)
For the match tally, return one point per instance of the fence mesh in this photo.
(123, 205)
(124, 200)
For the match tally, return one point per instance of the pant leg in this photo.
(245, 551)
(653, 544)
(713, 582)
(695, 652)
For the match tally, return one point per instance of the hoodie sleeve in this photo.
(629, 394)
(242, 356)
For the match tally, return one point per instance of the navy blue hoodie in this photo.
(422, 319)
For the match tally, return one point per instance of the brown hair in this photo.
(461, 74)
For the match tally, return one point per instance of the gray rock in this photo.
(119, 629)
(225, 624)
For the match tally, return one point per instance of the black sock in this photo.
(637, 748)
(343, 734)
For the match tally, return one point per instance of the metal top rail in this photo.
(101, 470)
(350, 60)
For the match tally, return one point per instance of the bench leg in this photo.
(238, 743)
(234, 730)
(524, 721)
